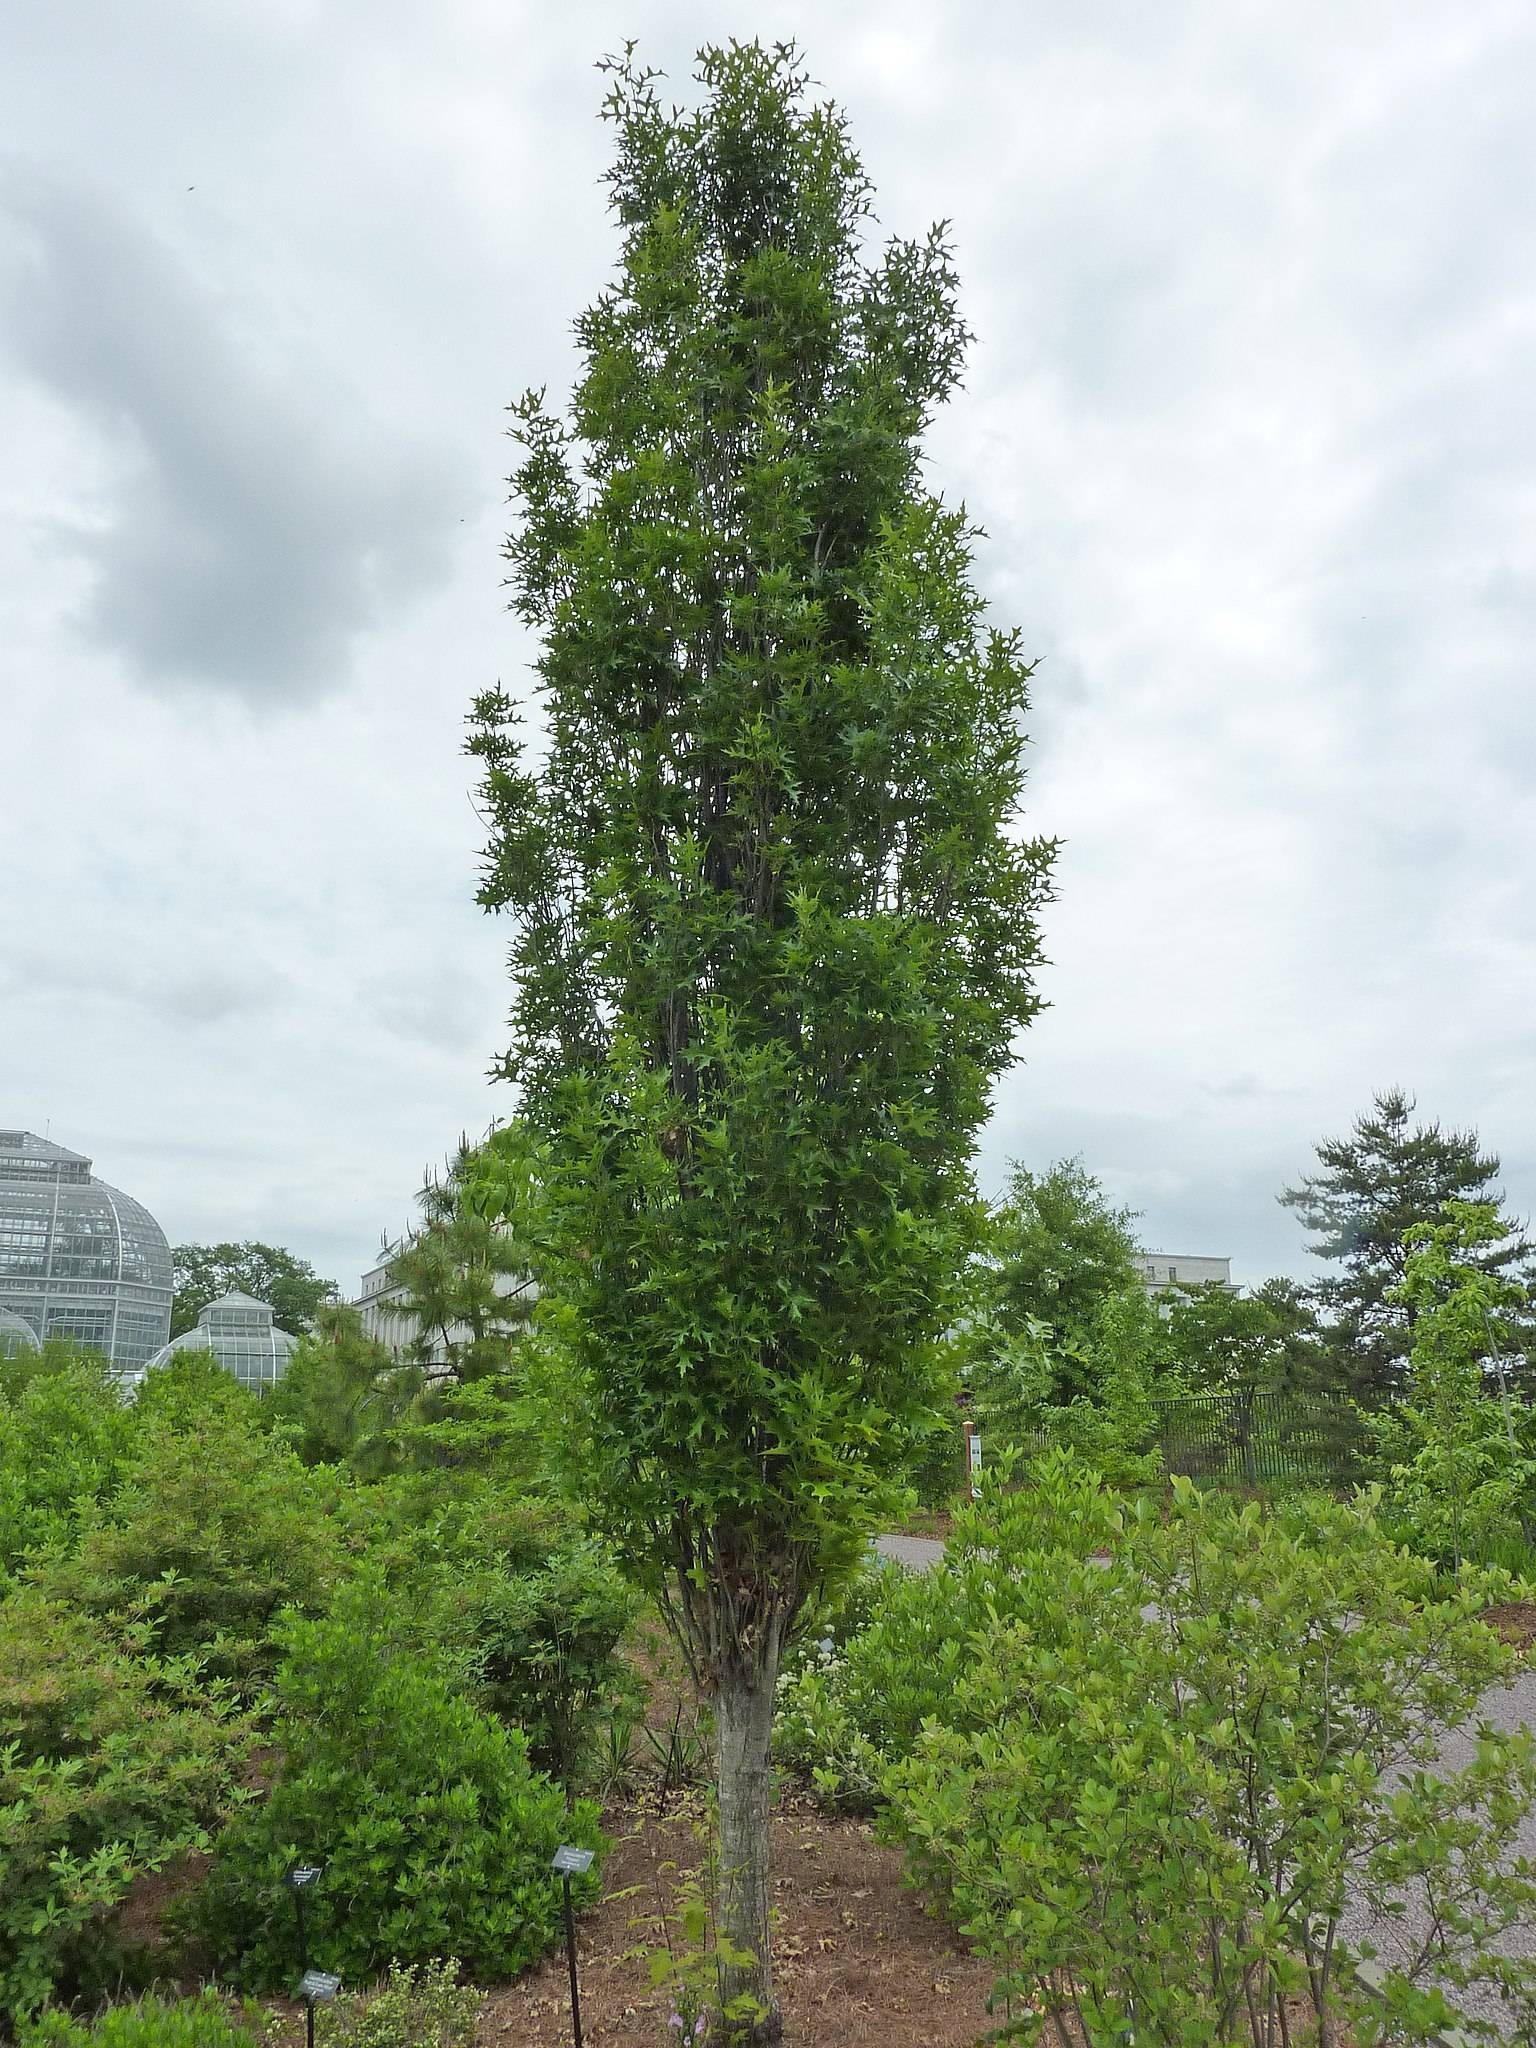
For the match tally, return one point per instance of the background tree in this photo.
(1056, 1254)
(467, 1289)
(1453, 1454)
(1212, 1341)
(775, 930)
(289, 1285)
(1386, 1176)
(342, 1394)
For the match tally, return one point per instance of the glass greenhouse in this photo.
(79, 1258)
(16, 1334)
(238, 1331)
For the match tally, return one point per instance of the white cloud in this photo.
(1248, 425)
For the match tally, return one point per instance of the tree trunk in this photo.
(743, 1725)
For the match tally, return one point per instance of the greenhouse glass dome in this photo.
(79, 1258)
(237, 1331)
(16, 1334)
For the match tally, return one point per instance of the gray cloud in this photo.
(253, 525)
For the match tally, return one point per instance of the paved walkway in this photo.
(1509, 1707)
(917, 1553)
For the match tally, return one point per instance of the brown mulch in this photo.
(855, 1957)
(1515, 1621)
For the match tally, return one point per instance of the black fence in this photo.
(1254, 1438)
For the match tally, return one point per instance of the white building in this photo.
(382, 1301)
(378, 1291)
(1161, 1270)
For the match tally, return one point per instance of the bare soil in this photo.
(1515, 1621)
(856, 1958)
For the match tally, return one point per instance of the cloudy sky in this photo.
(1251, 424)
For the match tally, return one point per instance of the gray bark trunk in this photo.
(744, 1725)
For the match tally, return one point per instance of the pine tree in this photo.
(1388, 1175)
(776, 932)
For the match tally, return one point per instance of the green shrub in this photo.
(1457, 1464)
(847, 1710)
(221, 1529)
(530, 1609)
(112, 1762)
(543, 1645)
(65, 1435)
(1154, 1798)
(413, 2008)
(192, 1392)
(204, 2022)
(435, 1833)
(938, 1465)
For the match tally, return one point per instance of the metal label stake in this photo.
(571, 1863)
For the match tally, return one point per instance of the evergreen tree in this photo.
(467, 1293)
(1386, 1176)
(341, 1395)
(776, 932)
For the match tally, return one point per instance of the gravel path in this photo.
(917, 1553)
(1509, 1707)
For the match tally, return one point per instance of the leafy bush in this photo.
(204, 2022)
(341, 1395)
(113, 1762)
(938, 1464)
(64, 1437)
(530, 1609)
(1152, 1793)
(414, 2008)
(221, 1528)
(846, 1711)
(1459, 1477)
(544, 1647)
(435, 1833)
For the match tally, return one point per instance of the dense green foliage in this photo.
(343, 1396)
(1388, 1175)
(289, 1285)
(1056, 1258)
(530, 1606)
(215, 1526)
(64, 1438)
(543, 1642)
(435, 1832)
(1057, 1340)
(1213, 1340)
(165, 1550)
(203, 2022)
(1459, 1464)
(113, 1761)
(1147, 1786)
(858, 1701)
(776, 930)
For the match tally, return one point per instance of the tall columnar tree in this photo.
(1387, 1175)
(776, 929)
